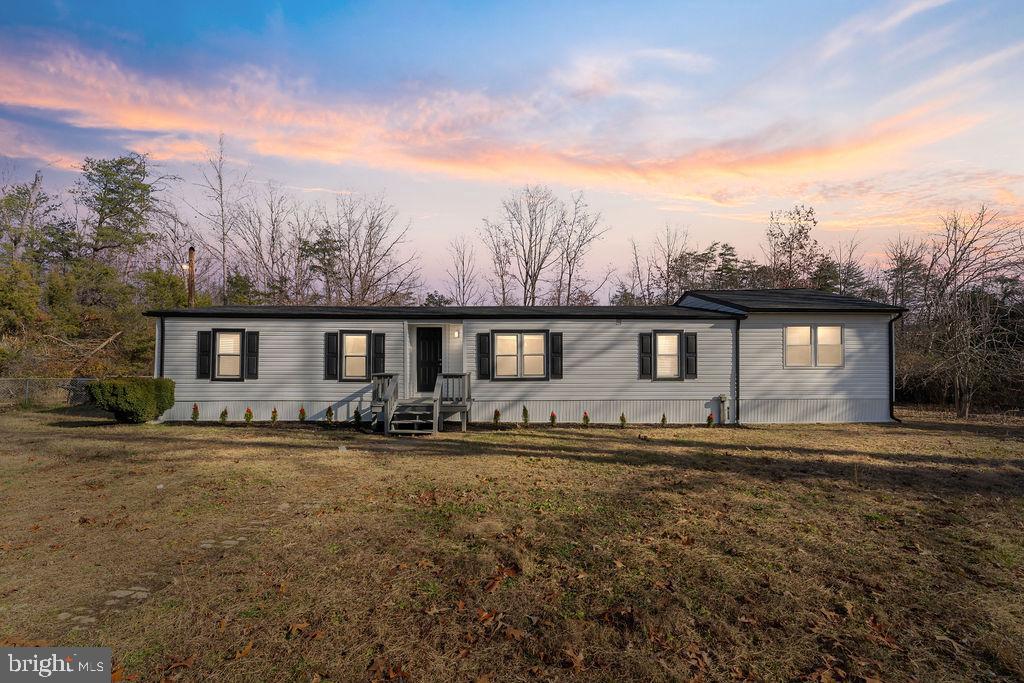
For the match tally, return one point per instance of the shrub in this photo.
(302, 413)
(552, 418)
(586, 418)
(664, 420)
(133, 399)
(526, 417)
(497, 417)
(329, 415)
(711, 419)
(195, 412)
(273, 416)
(357, 419)
(224, 416)
(248, 415)
(622, 420)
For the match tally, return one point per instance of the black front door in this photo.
(428, 357)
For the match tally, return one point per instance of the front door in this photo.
(428, 357)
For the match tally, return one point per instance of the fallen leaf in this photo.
(575, 659)
(296, 629)
(484, 678)
(222, 624)
(460, 605)
(619, 565)
(513, 633)
(244, 652)
(282, 588)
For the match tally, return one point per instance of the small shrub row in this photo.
(133, 399)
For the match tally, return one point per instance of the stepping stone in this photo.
(139, 588)
(242, 538)
(141, 595)
(208, 540)
(64, 616)
(229, 543)
(112, 602)
(120, 593)
(206, 545)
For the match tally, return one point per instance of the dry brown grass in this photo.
(773, 553)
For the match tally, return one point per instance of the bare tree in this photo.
(463, 279)
(360, 254)
(790, 250)
(500, 251)
(221, 188)
(581, 230)
(849, 266)
(529, 232)
(271, 230)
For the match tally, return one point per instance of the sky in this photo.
(704, 116)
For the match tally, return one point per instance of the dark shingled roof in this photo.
(443, 312)
(790, 300)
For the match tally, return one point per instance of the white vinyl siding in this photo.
(291, 369)
(857, 389)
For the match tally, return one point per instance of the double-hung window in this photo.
(520, 355)
(355, 350)
(666, 346)
(814, 346)
(228, 346)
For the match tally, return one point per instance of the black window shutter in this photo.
(690, 362)
(555, 355)
(330, 355)
(203, 357)
(378, 352)
(483, 355)
(252, 355)
(646, 355)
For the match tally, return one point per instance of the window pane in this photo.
(505, 344)
(229, 366)
(355, 344)
(506, 366)
(355, 366)
(668, 344)
(798, 336)
(229, 342)
(830, 355)
(830, 335)
(668, 366)
(798, 356)
(533, 343)
(533, 366)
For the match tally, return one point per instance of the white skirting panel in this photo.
(804, 410)
(287, 411)
(601, 412)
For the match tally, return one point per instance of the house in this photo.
(741, 356)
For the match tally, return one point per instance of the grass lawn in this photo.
(824, 552)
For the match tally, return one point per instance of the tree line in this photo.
(79, 268)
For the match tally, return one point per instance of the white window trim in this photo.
(342, 357)
(217, 374)
(814, 347)
(680, 356)
(520, 356)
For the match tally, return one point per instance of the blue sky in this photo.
(702, 115)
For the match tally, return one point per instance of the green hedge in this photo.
(133, 399)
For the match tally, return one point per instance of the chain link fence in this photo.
(44, 391)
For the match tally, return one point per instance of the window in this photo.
(520, 355)
(829, 346)
(667, 350)
(814, 346)
(798, 347)
(355, 350)
(229, 355)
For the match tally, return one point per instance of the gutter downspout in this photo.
(892, 367)
(736, 364)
